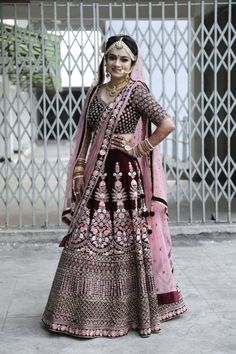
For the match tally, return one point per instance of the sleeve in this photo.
(147, 106)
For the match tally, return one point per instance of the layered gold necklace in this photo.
(114, 89)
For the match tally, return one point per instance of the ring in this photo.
(128, 147)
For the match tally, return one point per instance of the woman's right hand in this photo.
(125, 145)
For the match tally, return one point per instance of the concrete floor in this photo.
(206, 271)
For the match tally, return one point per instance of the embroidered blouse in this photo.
(141, 103)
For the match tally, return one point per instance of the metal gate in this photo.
(49, 53)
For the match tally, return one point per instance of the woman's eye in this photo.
(123, 60)
(111, 57)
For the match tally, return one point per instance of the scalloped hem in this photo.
(171, 314)
(96, 333)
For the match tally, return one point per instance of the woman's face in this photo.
(118, 63)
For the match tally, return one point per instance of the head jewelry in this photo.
(121, 45)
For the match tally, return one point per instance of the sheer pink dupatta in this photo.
(78, 138)
(155, 198)
(154, 185)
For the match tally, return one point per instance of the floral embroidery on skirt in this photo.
(104, 284)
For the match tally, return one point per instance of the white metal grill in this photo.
(49, 53)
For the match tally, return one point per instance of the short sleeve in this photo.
(147, 106)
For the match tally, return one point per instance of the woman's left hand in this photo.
(120, 143)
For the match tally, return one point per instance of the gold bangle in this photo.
(149, 144)
(145, 148)
(73, 181)
(141, 150)
(135, 149)
(77, 176)
(78, 168)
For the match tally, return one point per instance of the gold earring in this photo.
(107, 74)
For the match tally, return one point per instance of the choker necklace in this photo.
(114, 89)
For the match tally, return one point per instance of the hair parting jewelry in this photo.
(121, 45)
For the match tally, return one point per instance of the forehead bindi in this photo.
(119, 53)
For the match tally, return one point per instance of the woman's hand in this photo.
(120, 143)
(143, 148)
(78, 186)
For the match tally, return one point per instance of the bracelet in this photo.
(73, 181)
(78, 168)
(79, 164)
(148, 143)
(77, 176)
(143, 148)
(146, 147)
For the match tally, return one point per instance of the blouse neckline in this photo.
(99, 96)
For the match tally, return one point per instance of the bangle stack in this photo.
(73, 182)
(143, 148)
(79, 168)
(78, 172)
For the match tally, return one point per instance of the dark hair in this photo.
(126, 39)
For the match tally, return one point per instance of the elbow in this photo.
(172, 126)
(169, 125)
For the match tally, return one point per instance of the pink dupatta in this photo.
(154, 187)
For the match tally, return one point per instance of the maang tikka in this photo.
(121, 45)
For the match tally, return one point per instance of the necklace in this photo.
(114, 89)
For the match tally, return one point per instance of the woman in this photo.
(115, 271)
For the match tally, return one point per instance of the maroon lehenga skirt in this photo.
(104, 284)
